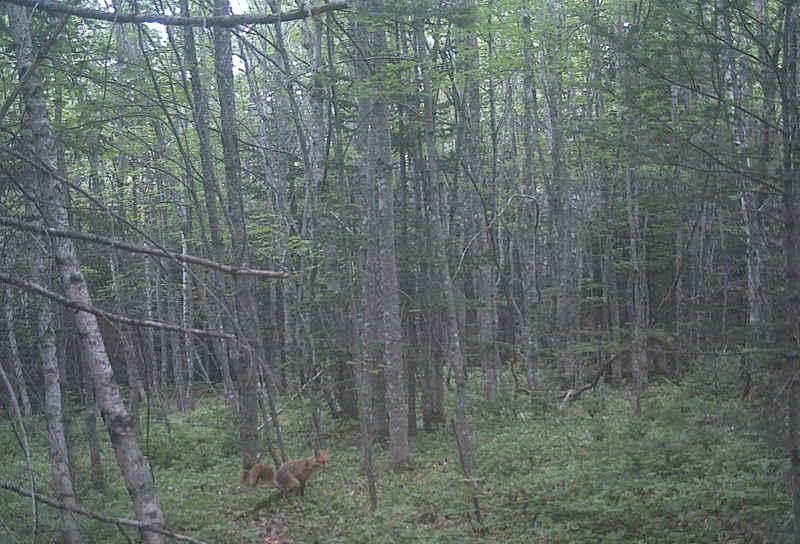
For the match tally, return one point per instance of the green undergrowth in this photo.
(696, 467)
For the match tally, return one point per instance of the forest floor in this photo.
(699, 466)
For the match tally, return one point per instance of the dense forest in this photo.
(442, 229)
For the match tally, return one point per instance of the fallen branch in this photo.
(100, 517)
(602, 370)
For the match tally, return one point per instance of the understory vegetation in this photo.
(700, 465)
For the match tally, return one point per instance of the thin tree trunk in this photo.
(135, 468)
(211, 193)
(128, 350)
(638, 292)
(246, 363)
(790, 177)
(90, 423)
(529, 225)
(454, 354)
(396, 386)
(187, 314)
(20, 387)
(18, 420)
(62, 482)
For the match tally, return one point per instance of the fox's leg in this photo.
(294, 484)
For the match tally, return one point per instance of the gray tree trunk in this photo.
(370, 328)
(380, 155)
(758, 331)
(560, 190)
(135, 468)
(59, 458)
(454, 354)
(363, 370)
(637, 292)
(213, 308)
(789, 183)
(90, 424)
(396, 386)
(248, 320)
(19, 385)
(529, 224)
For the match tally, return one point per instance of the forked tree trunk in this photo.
(135, 468)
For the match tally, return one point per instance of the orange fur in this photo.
(292, 475)
(259, 472)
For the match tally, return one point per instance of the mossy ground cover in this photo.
(696, 467)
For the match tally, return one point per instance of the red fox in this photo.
(292, 475)
(260, 472)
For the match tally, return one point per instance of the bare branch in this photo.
(227, 21)
(135, 248)
(602, 370)
(39, 290)
(101, 517)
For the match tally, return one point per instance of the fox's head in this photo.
(321, 459)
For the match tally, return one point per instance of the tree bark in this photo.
(396, 386)
(19, 385)
(529, 223)
(637, 292)
(248, 320)
(59, 459)
(758, 331)
(378, 154)
(453, 350)
(213, 309)
(790, 177)
(135, 468)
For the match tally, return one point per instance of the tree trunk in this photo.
(62, 482)
(637, 292)
(370, 328)
(248, 320)
(561, 191)
(135, 468)
(128, 350)
(19, 385)
(479, 208)
(758, 331)
(529, 224)
(375, 150)
(90, 423)
(453, 350)
(214, 308)
(790, 176)
(396, 386)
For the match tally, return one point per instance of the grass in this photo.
(695, 467)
